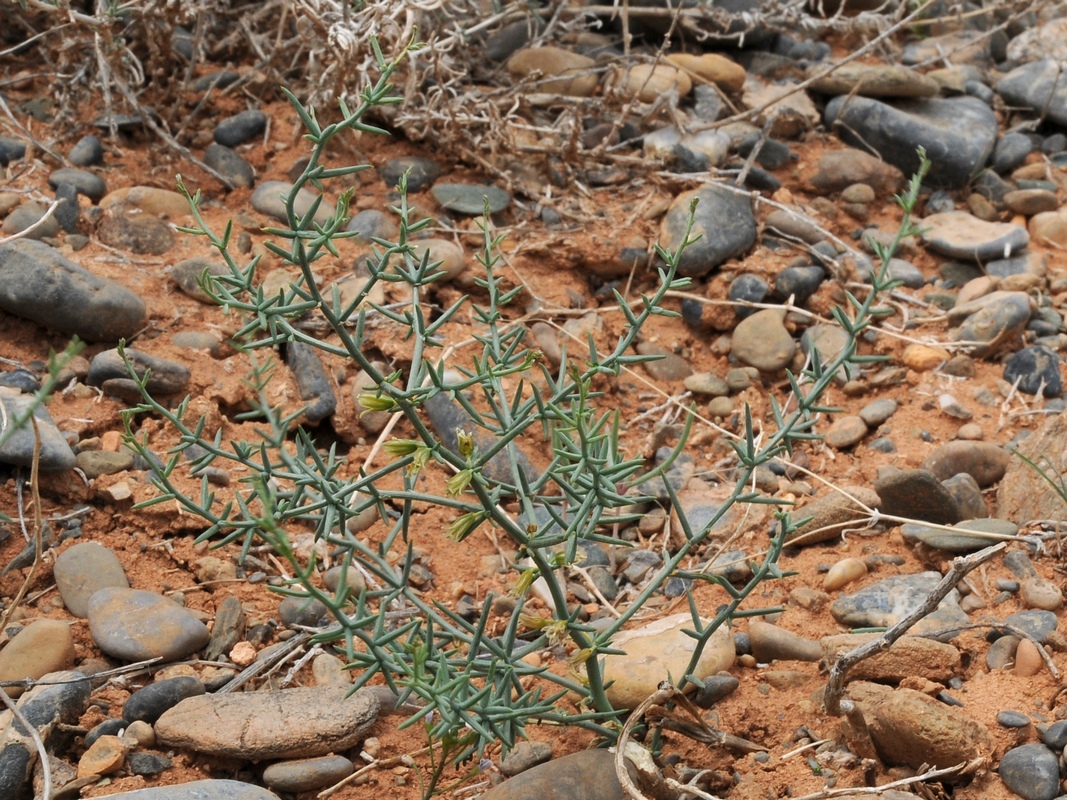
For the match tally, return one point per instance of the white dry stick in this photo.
(49, 212)
(960, 567)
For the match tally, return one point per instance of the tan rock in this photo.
(573, 72)
(41, 647)
(648, 82)
(1049, 228)
(657, 652)
(924, 357)
(844, 572)
(106, 755)
(1028, 661)
(151, 200)
(909, 656)
(711, 67)
(790, 112)
(874, 80)
(831, 514)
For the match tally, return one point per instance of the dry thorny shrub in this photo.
(140, 58)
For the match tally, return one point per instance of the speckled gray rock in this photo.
(957, 133)
(198, 790)
(245, 725)
(55, 454)
(997, 321)
(1038, 85)
(957, 234)
(134, 625)
(41, 285)
(1032, 771)
(885, 602)
(917, 494)
(311, 380)
(723, 220)
(142, 234)
(84, 569)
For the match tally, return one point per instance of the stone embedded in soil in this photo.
(231, 165)
(150, 702)
(839, 169)
(762, 341)
(307, 774)
(140, 234)
(152, 200)
(997, 322)
(957, 234)
(713, 67)
(197, 790)
(910, 729)
(421, 172)
(917, 494)
(188, 273)
(228, 629)
(668, 366)
(94, 463)
(471, 199)
(240, 128)
(986, 462)
(878, 411)
(86, 152)
(1038, 85)
(965, 537)
(268, 199)
(1031, 771)
(586, 775)
(723, 220)
(1049, 228)
(957, 133)
(771, 643)
(968, 496)
(245, 725)
(887, 601)
(167, 377)
(656, 652)
(41, 647)
(43, 286)
(54, 454)
(909, 655)
(1037, 370)
(831, 514)
(1023, 494)
(135, 625)
(106, 755)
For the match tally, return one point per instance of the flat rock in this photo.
(831, 514)
(25, 217)
(188, 274)
(241, 127)
(885, 602)
(150, 702)
(307, 774)
(41, 285)
(762, 341)
(910, 729)
(88, 184)
(957, 234)
(164, 376)
(875, 80)
(245, 725)
(197, 790)
(41, 647)
(723, 220)
(839, 169)
(771, 643)
(1036, 369)
(149, 199)
(55, 454)
(471, 199)
(1032, 771)
(135, 625)
(984, 461)
(997, 323)
(587, 775)
(845, 432)
(658, 651)
(1039, 86)
(231, 165)
(555, 70)
(917, 494)
(909, 655)
(957, 133)
(268, 199)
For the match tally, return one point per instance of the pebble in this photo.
(839, 169)
(716, 688)
(94, 463)
(17, 448)
(244, 725)
(957, 234)
(999, 319)
(799, 283)
(106, 755)
(878, 411)
(1013, 719)
(240, 128)
(723, 220)
(197, 790)
(771, 643)
(1049, 228)
(1038, 623)
(917, 494)
(656, 651)
(301, 611)
(1054, 735)
(88, 184)
(964, 488)
(668, 366)
(1037, 370)
(845, 432)
(762, 341)
(1011, 151)
(706, 383)
(1028, 661)
(41, 647)
(831, 514)
(188, 274)
(83, 569)
(471, 199)
(958, 133)
(230, 165)
(910, 729)
(829, 341)
(140, 234)
(524, 756)
(713, 67)
(26, 216)
(647, 82)
(986, 462)
(147, 764)
(68, 213)
(152, 200)
(87, 152)
(585, 775)
(843, 573)
(268, 199)
(883, 603)
(560, 71)
(165, 378)
(1032, 771)
(149, 703)
(1031, 201)
(307, 775)
(135, 625)
(452, 261)
(41, 285)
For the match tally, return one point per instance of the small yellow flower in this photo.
(459, 482)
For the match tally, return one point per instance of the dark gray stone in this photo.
(1011, 151)
(231, 165)
(21, 379)
(1037, 369)
(421, 172)
(301, 611)
(1038, 85)
(1032, 771)
(26, 216)
(957, 234)
(716, 688)
(373, 224)
(957, 133)
(722, 219)
(134, 625)
(149, 703)
(240, 128)
(1036, 622)
(109, 727)
(748, 288)
(88, 184)
(67, 213)
(798, 282)
(1054, 735)
(141, 763)
(11, 149)
(1013, 719)
(984, 461)
(216, 80)
(964, 488)
(312, 381)
(87, 152)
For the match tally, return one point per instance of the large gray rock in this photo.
(1038, 85)
(41, 285)
(887, 601)
(254, 726)
(957, 133)
(723, 220)
(197, 790)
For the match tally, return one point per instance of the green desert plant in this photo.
(472, 686)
